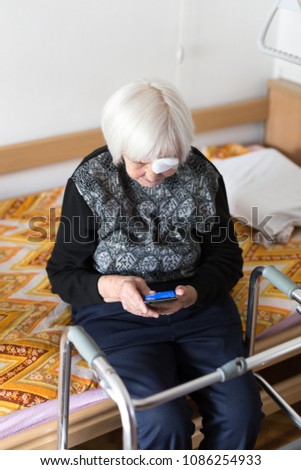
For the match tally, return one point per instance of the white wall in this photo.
(61, 59)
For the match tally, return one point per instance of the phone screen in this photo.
(166, 296)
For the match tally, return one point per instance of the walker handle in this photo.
(279, 280)
(84, 344)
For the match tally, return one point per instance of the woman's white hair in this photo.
(145, 120)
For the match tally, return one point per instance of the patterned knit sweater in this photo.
(179, 232)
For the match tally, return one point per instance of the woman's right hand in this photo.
(129, 290)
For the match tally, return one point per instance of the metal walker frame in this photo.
(115, 388)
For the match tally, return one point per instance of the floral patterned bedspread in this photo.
(32, 318)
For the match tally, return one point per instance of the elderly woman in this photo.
(149, 213)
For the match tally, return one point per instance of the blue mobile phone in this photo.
(166, 296)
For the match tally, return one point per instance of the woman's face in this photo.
(142, 173)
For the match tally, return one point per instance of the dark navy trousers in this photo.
(152, 355)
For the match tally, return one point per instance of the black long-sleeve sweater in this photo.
(179, 232)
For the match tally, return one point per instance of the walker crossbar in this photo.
(114, 386)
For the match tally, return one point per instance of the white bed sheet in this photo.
(264, 190)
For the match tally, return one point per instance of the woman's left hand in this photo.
(186, 296)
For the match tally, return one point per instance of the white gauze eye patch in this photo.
(164, 164)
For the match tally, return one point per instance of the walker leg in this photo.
(116, 389)
(291, 413)
(64, 391)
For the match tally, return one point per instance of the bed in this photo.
(32, 318)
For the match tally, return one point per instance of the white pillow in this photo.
(264, 191)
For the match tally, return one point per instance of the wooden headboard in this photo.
(280, 109)
(283, 127)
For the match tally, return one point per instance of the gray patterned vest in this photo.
(155, 232)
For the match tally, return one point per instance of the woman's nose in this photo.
(152, 176)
